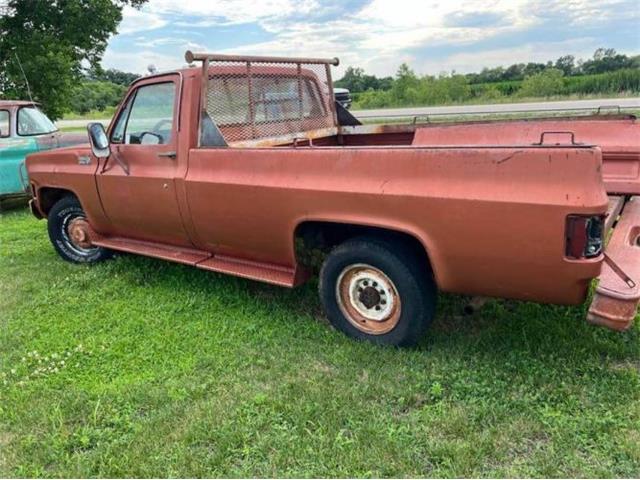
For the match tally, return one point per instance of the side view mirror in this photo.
(99, 140)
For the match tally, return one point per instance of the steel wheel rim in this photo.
(72, 242)
(368, 299)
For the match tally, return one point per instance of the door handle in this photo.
(171, 155)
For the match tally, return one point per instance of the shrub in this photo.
(544, 84)
(95, 96)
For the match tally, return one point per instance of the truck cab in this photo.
(24, 129)
(244, 166)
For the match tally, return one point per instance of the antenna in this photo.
(25, 77)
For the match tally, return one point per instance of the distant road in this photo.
(496, 108)
(501, 107)
(80, 123)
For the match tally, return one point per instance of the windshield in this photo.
(32, 121)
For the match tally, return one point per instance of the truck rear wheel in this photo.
(375, 290)
(67, 231)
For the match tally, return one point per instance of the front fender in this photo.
(13, 175)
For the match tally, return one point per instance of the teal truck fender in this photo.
(24, 130)
(13, 176)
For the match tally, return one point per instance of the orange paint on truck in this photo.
(486, 217)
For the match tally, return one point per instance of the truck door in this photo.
(13, 150)
(137, 185)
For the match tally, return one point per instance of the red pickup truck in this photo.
(247, 166)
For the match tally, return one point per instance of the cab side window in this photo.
(147, 119)
(117, 135)
(4, 123)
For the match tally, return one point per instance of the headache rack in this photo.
(261, 101)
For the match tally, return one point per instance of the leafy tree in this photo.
(603, 53)
(52, 40)
(606, 60)
(538, 79)
(406, 85)
(95, 95)
(385, 83)
(490, 75)
(514, 72)
(112, 75)
(353, 79)
(532, 68)
(543, 84)
(566, 63)
(357, 81)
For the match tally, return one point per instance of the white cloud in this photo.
(378, 38)
(581, 13)
(134, 21)
(230, 12)
(432, 13)
(534, 52)
(138, 62)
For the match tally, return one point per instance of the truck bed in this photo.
(618, 138)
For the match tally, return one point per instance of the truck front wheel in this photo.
(67, 232)
(376, 290)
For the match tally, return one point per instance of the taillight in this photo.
(585, 236)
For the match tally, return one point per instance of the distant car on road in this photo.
(24, 129)
(343, 97)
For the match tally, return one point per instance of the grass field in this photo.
(138, 367)
(473, 101)
(481, 117)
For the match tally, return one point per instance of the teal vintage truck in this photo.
(24, 129)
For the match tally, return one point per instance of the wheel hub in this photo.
(368, 299)
(79, 233)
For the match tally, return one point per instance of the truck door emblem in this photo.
(84, 160)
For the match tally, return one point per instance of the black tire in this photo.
(61, 214)
(371, 270)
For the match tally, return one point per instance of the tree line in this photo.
(50, 45)
(99, 90)
(51, 52)
(607, 72)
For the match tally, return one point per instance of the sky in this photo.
(432, 36)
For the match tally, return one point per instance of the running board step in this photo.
(151, 249)
(264, 272)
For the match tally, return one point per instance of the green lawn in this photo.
(138, 367)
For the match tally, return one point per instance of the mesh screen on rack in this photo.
(249, 101)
